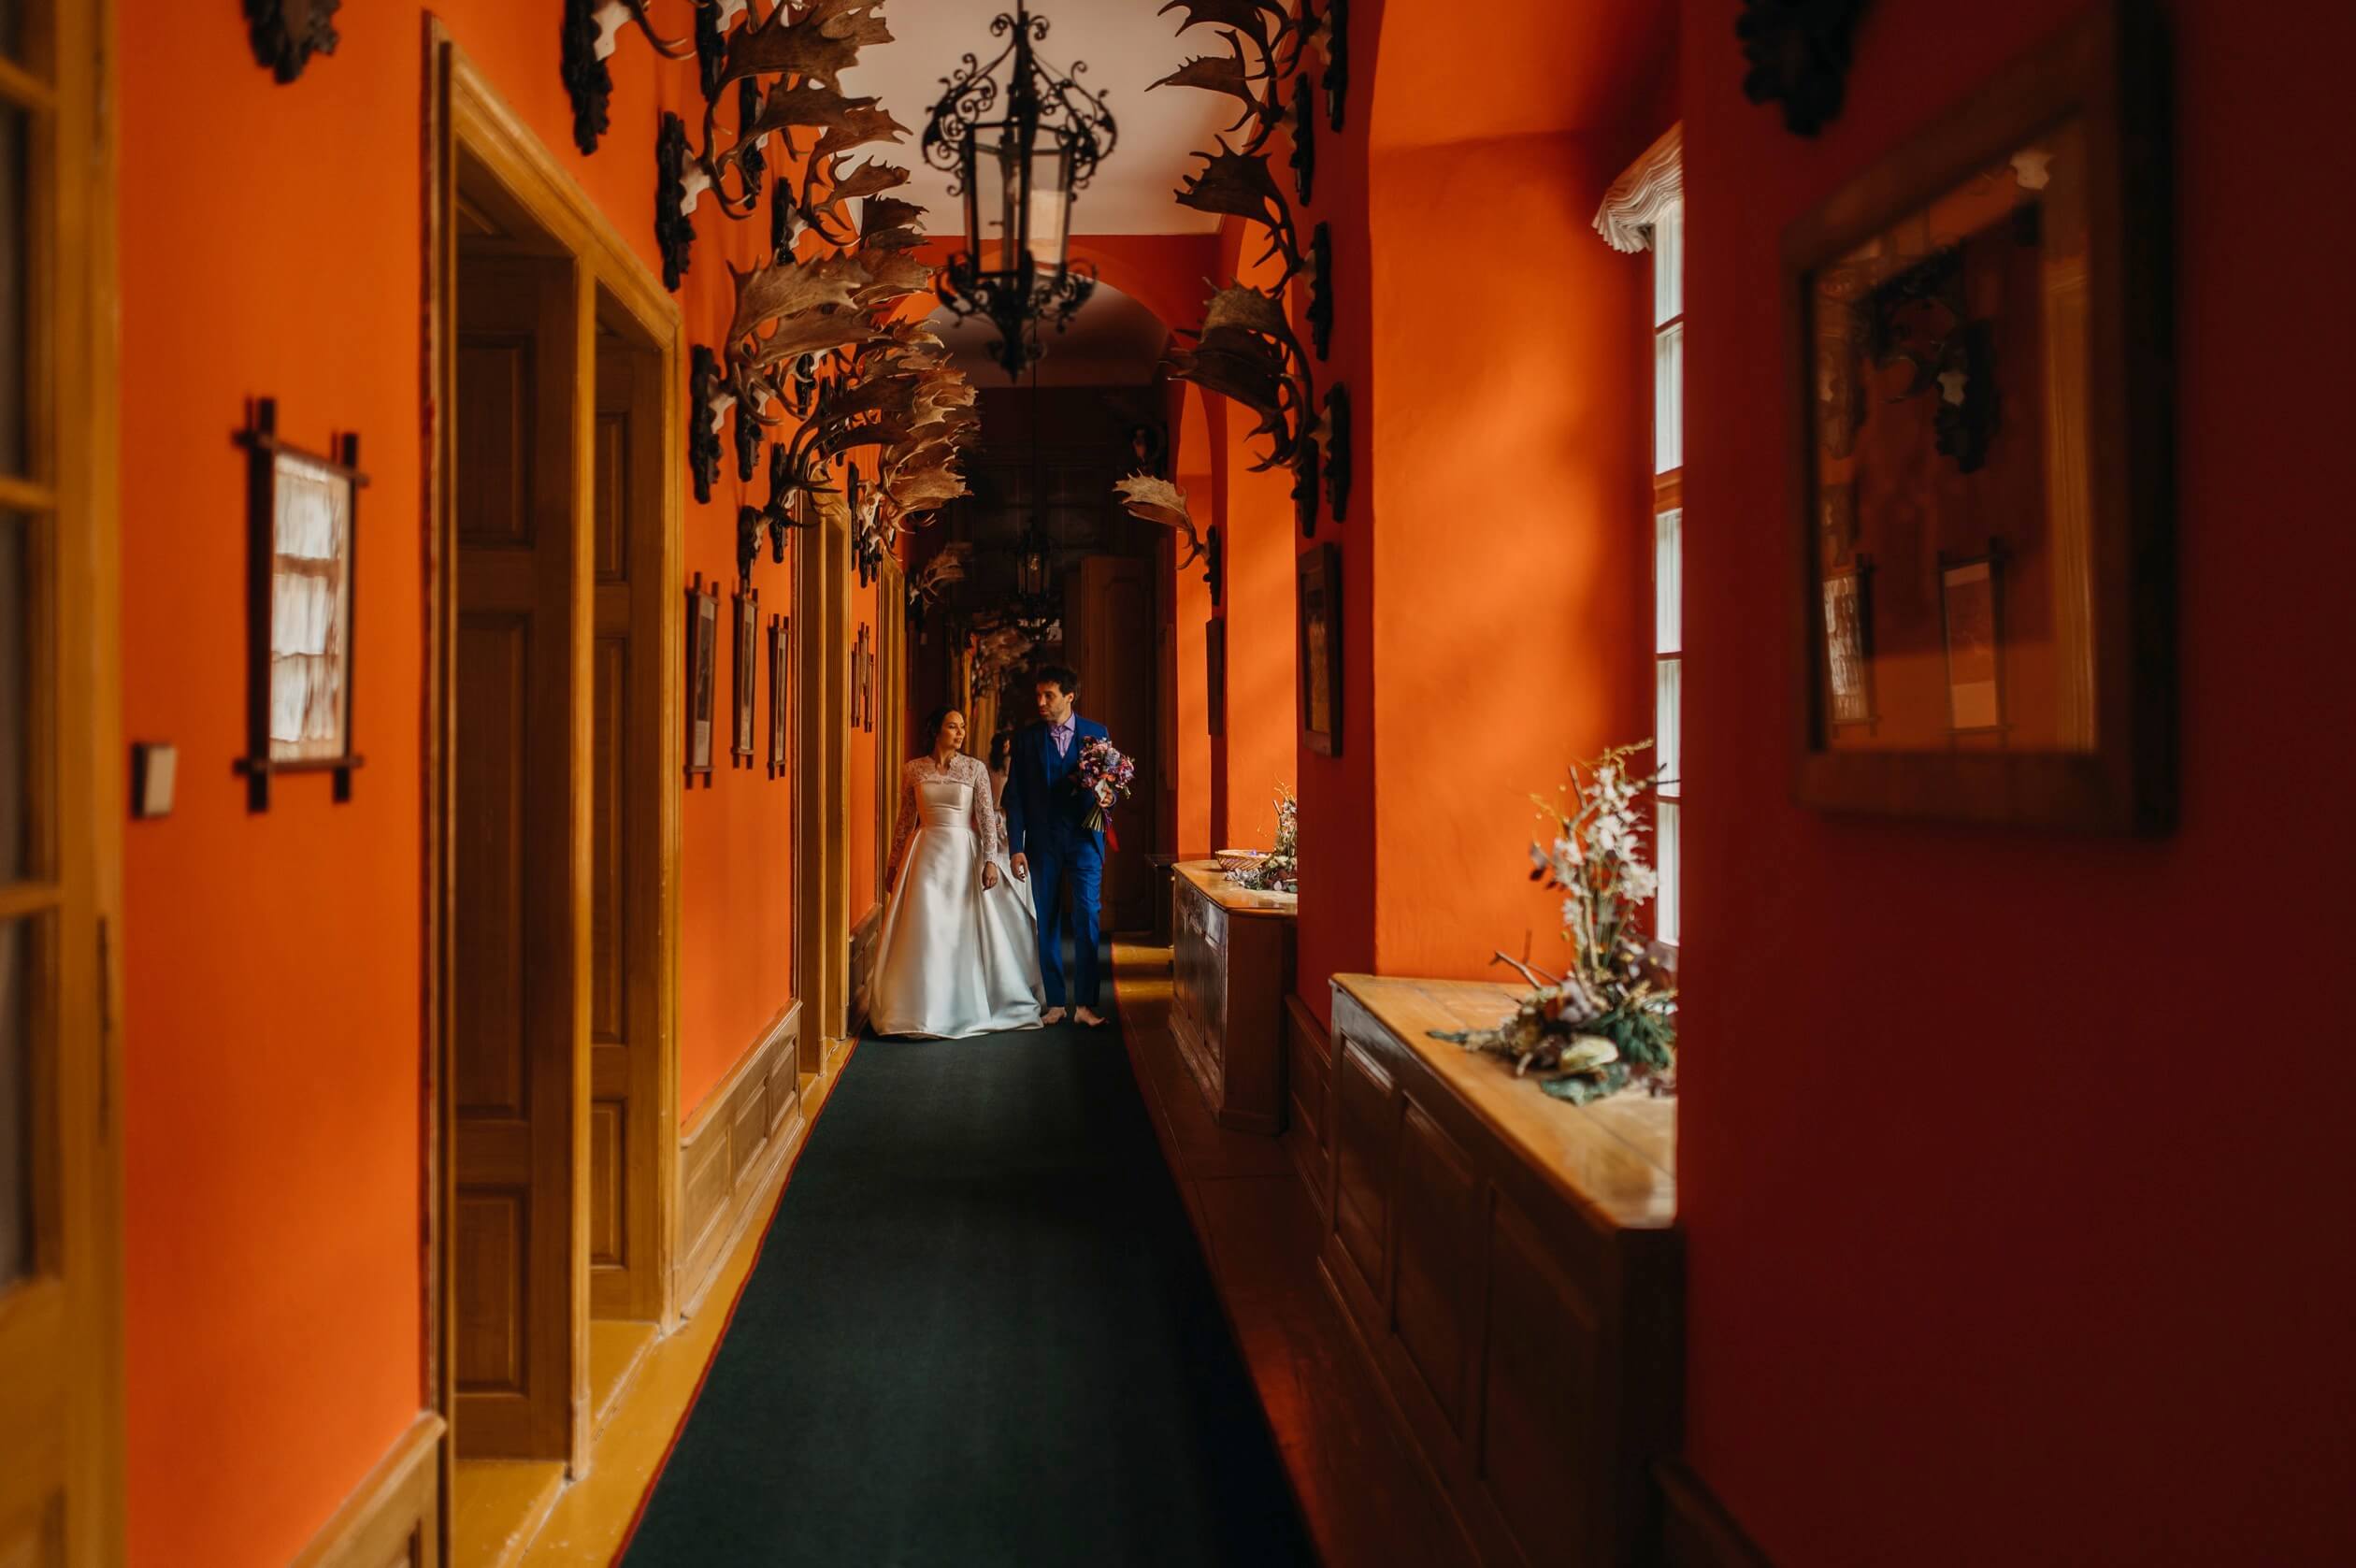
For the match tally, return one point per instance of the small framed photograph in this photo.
(1972, 630)
(1318, 620)
(781, 684)
(747, 673)
(703, 652)
(858, 675)
(303, 511)
(1978, 358)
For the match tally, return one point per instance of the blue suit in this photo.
(1042, 823)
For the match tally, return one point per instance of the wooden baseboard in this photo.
(727, 1150)
(1697, 1532)
(863, 939)
(393, 1516)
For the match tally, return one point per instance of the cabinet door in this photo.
(1540, 1442)
(1438, 1259)
(1365, 1135)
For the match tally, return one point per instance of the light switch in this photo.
(153, 766)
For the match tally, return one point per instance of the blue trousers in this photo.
(1083, 866)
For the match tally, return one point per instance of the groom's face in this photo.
(1054, 703)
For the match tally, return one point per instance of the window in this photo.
(1645, 211)
(1668, 312)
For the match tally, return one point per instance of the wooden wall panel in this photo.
(1308, 1094)
(609, 1157)
(610, 901)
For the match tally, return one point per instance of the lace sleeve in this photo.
(904, 826)
(985, 815)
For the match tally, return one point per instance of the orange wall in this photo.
(273, 962)
(1991, 1214)
(1510, 522)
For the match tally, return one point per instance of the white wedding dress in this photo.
(955, 958)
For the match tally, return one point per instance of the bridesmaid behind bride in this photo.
(959, 952)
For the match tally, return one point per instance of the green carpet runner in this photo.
(980, 1333)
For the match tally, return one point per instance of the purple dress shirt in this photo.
(1061, 735)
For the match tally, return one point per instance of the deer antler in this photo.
(1163, 505)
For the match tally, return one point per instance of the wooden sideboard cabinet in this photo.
(1510, 1266)
(1232, 965)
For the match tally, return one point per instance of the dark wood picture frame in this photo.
(1317, 617)
(781, 689)
(2104, 76)
(745, 657)
(703, 654)
(274, 551)
(858, 676)
(1214, 669)
(867, 673)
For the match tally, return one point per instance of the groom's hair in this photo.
(1062, 677)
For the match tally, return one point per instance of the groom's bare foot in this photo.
(1053, 1015)
(1088, 1015)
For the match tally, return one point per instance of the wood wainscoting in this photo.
(389, 1520)
(863, 939)
(1308, 1100)
(731, 1148)
(1509, 1267)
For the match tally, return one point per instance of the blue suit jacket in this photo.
(1041, 818)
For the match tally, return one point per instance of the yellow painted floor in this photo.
(500, 1503)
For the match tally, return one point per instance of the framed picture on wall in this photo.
(703, 651)
(781, 684)
(1318, 619)
(1980, 344)
(1214, 665)
(867, 697)
(1849, 640)
(746, 662)
(302, 512)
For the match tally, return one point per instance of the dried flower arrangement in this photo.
(1602, 1026)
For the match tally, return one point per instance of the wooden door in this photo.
(521, 971)
(60, 790)
(629, 1273)
(1114, 652)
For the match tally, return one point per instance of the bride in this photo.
(959, 952)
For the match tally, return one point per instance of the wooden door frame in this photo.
(464, 111)
(821, 784)
(77, 762)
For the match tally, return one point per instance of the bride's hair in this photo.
(933, 721)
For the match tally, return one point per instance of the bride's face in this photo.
(953, 733)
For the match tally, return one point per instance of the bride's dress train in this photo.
(955, 958)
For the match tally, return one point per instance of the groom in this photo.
(1043, 814)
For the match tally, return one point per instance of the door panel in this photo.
(627, 1049)
(1118, 676)
(521, 1012)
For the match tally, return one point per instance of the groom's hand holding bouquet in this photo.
(1100, 779)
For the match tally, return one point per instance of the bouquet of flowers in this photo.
(1102, 776)
(1279, 870)
(1600, 1025)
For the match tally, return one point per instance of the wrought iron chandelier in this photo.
(1017, 162)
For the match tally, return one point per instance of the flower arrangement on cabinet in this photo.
(1600, 1027)
(1279, 870)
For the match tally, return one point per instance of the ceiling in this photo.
(1112, 340)
(1126, 47)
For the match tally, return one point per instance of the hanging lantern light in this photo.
(1019, 149)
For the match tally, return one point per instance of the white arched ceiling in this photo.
(1127, 47)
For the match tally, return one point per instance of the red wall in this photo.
(273, 962)
(2015, 1166)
